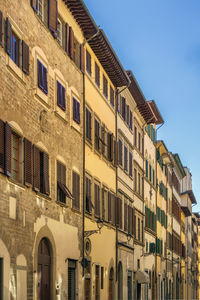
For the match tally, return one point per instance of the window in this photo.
(125, 216)
(135, 180)
(104, 204)
(135, 136)
(62, 190)
(97, 75)
(59, 32)
(147, 168)
(97, 137)
(88, 125)
(15, 48)
(120, 153)
(97, 200)
(125, 158)
(123, 106)
(105, 87)
(88, 63)
(76, 53)
(76, 190)
(103, 144)
(127, 114)
(112, 100)
(40, 171)
(139, 141)
(102, 277)
(131, 120)
(42, 77)
(76, 111)
(71, 279)
(110, 146)
(139, 183)
(139, 229)
(61, 96)
(97, 281)
(150, 172)
(16, 162)
(130, 164)
(88, 195)
(41, 9)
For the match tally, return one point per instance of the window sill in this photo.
(61, 114)
(88, 142)
(62, 204)
(40, 95)
(76, 126)
(16, 71)
(15, 183)
(40, 195)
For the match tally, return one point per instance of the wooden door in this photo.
(44, 270)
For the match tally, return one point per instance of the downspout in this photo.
(156, 280)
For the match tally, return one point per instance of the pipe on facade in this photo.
(83, 202)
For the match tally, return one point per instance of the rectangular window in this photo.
(130, 164)
(88, 203)
(16, 157)
(105, 87)
(61, 96)
(15, 48)
(97, 134)
(110, 146)
(88, 63)
(139, 183)
(97, 75)
(135, 136)
(103, 144)
(76, 111)
(139, 229)
(127, 114)
(139, 141)
(102, 277)
(120, 153)
(59, 32)
(125, 217)
(42, 77)
(147, 171)
(97, 285)
(88, 125)
(112, 100)
(131, 120)
(97, 200)
(125, 158)
(62, 190)
(104, 204)
(123, 110)
(76, 190)
(76, 53)
(71, 279)
(150, 173)
(135, 180)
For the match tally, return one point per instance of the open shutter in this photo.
(39, 72)
(103, 203)
(115, 153)
(44, 79)
(125, 217)
(25, 58)
(133, 221)
(63, 98)
(109, 206)
(34, 4)
(67, 38)
(2, 151)
(46, 173)
(53, 16)
(7, 169)
(27, 163)
(36, 169)
(71, 43)
(8, 37)
(82, 64)
(117, 211)
(113, 211)
(1, 29)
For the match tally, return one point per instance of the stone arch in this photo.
(46, 233)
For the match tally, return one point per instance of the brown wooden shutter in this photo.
(46, 173)
(113, 205)
(8, 36)
(2, 152)
(1, 29)
(117, 211)
(53, 16)
(125, 217)
(82, 62)
(71, 43)
(115, 153)
(96, 199)
(25, 58)
(109, 206)
(59, 172)
(36, 169)
(133, 221)
(67, 38)
(129, 219)
(28, 163)
(74, 188)
(7, 169)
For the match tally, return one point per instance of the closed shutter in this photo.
(25, 58)
(109, 206)
(130, 164)
(129, 219)
(39, 71)
(46, 173)
(1, 29)
(7, 169)
(71, 280)
(36, 169)
(127, 114)
(110, 146)
(67, 38)
(71, 43)
(103, 203)
(131, 121)
(117, 211)
(82, 62)
(28, 163)
(76, 190)
(97, 201)
(115, 153)
(133, 220)
(113, 204)
(120, 213)
(45, 86)
(34, 4)
(120, 152)
(8, 37)
(2, 149)
(123, 108)
(53, 16)
(125, 217)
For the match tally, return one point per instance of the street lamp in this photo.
(90, 232)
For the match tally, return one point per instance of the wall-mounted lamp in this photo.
(90, 232)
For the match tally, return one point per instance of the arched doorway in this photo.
(44, 270)
(111, 285)
(120, 282)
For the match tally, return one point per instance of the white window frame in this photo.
(41, 9)
(59, 32)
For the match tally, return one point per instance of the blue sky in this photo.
(159, 40)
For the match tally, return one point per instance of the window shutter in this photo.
(120, 152)
(45, 80)
(63, 98)
(2, 149)
(82, 64)
(109, 206)
(8, 36)
(25, 58)
(125, 217)
(127, 114)
(123, 108)
(1, 29)
(115, 153)
(71, 43)
(103, 203)
(34, 4)
(131, 120)
(117, 211)
(53, 16)
(67, 38)
(129, 219)
(46, 173)
(120, 213)
(27, 163)
(7, 169)
(39, 70)
(58, 93)
(36, 169)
